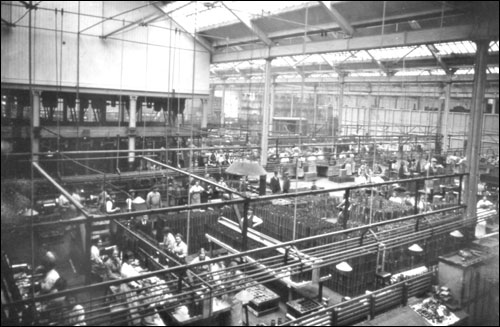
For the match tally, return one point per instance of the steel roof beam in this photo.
(439, 59)
(337, 17)
(247, 21)
(425, 36)
(196, 38)
(328, 27)
(379, 63)
(492, 78)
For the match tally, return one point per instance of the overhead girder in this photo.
(452, 62)
(407, 38)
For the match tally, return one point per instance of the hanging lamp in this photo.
(415, 248)
(344, 266)
(246, 168)
(456, 233)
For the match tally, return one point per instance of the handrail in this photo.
(364, 300)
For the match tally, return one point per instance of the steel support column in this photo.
(315, 109)
(35, 124)
(222, 104)
(475, 124)
(340, 103)
(444, 131)
(271, 109)
(131, 130)
(265, 115)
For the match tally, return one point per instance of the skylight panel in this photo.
(456, 47)
(465, 71)
(494, 46)
(493, 70)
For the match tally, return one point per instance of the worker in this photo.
(432, 167)
(395, 198)
(76, 313)
(180, 248)
(423, 205)
(225, 194)
(275, 183)
(195, 193)
(110, 204)
(168, 239)
(314, 187)
(409, 201)
(484, 203)
(153, 201)
(364, 173)
(75, 194)
(235, 298)
(483, 206)
(113, 265)
(344, 212)
(286, 183)
(64, 207)
(144, 225)
(199, 269)
(97, 265)
(134, 200)
(403, 170)
(50, 275)
(243, 184)
(63, 202)
(252, 220)
(208, 191)
(103, 196)
(46, 257)
(127, 271)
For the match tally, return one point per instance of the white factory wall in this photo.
(122, 61)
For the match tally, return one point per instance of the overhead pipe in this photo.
(79, 207)
(76, 203)
(358, 138)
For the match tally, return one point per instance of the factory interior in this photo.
(250, 163)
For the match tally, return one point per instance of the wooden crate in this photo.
(310, 176)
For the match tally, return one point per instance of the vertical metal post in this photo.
(405, 294)
(131, 130)
(204, 112)
(340, 102)
(460, 185)
(87, 245)
(475, 124)
(346, 209)
(444, 132)
(334, 317)
(35, 121)
(246, 315)
(271, 108)
(417, 198)
(315, 109)
(222, 102)
(372, 306)
(244, 229)
(265, 115)
(179, 281)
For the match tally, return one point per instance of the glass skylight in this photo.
(202, 15)
(456, 47)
